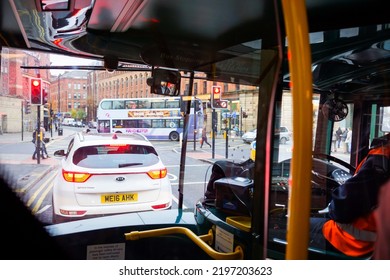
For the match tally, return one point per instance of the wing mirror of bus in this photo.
(164, 82)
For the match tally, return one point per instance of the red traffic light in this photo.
(36, 91)
(36, 83)
(216, 90)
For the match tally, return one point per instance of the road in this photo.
(16, 155)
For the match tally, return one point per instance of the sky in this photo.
(61, 60)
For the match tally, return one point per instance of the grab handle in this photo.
(201, 240)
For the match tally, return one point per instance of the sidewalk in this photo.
(22, 169)
(26, 136)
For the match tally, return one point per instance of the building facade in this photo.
(77, 93)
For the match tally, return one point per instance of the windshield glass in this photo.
(177, 125)
(109, 156)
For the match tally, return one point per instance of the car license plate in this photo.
(119, 197)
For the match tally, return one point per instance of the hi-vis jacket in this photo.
(352, 228)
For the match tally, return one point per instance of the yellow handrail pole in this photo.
(301, 78)
(238, 253)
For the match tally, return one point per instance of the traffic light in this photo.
(36, 91)
(27, 108)
(216, 93)
(216, 101)
(45, 96)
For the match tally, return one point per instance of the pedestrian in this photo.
(343, 139)
(41, 135)
(204, 138)
(348, 140)
(339, 132)
(163, 89)
(334, 140)
(43, 141)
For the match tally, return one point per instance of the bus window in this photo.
(172, 104)
(103, 126)
(158, 123)
(144, 104)
(130, 104)
(158, 103)
(117, 123)
(145, 123)
(106, 105)
(118, 104)
(385, 119)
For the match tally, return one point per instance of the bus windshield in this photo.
(259, 116)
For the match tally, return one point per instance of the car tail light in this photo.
(75, 177)
(72, 212)
(160, 206)
(158, 174)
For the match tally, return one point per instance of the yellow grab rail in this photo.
(201, 240)
(301, 77)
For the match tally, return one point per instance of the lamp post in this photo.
(59, 97)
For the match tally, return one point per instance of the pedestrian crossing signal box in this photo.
(216, 101)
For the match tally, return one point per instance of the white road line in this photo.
(187, 165)
(190, 183)
(43, 209)
(177, 202)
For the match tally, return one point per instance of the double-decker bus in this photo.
(158, 118)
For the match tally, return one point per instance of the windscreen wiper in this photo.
(129, 164)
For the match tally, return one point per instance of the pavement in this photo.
(24, 172)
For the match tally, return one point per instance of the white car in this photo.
(104, 174)
(284, 135)
(250, 136)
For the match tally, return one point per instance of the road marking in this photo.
(40, 200)
(190, 183)
(43, 209)
(188, 165)
(177, 202)
(38, 191)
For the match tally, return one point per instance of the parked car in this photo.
(250, 136)
(103, 174)
(79, 124)
(284, 135)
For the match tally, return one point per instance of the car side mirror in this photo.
(164, 82)
(59, 153)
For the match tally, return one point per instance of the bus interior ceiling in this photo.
(212, 41)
